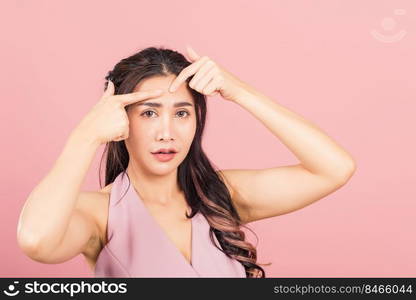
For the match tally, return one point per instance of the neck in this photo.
(158, 189)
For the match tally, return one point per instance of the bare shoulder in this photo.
(226, 178)
(106, 189)
(223, 175)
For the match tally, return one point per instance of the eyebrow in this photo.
(158, 104)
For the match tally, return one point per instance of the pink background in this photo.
(317, 58)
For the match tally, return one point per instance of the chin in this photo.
(161, 171)
(162, 168)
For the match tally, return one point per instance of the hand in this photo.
(209, 79)
(108, 120)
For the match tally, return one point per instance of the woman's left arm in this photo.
(317, 152)
(324, 165)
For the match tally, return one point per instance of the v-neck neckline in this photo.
(136, 197)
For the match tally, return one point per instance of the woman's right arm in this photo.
(52, 226)
(48, 211)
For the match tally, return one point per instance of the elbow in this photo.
(29, 244)
(30, 241)
(348, 171)
(351, 167)
(32, 246)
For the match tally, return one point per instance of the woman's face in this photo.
(157, 123)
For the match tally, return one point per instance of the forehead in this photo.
(182, 94)
(181, 97)
(163, 82)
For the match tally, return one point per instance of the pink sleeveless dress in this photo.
(138, 247)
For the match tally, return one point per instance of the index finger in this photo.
(185, 73)
(127, 99)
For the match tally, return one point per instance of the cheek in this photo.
(189, 132)
(140, 133)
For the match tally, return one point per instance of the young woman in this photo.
(164, 210)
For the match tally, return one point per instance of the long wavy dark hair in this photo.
(204, 190)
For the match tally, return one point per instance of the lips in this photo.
(164, 157)
(164, 154)
(165, 151)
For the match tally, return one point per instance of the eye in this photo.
(146, 113)
(149, 113)
(184, 111)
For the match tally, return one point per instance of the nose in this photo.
(165, 129)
